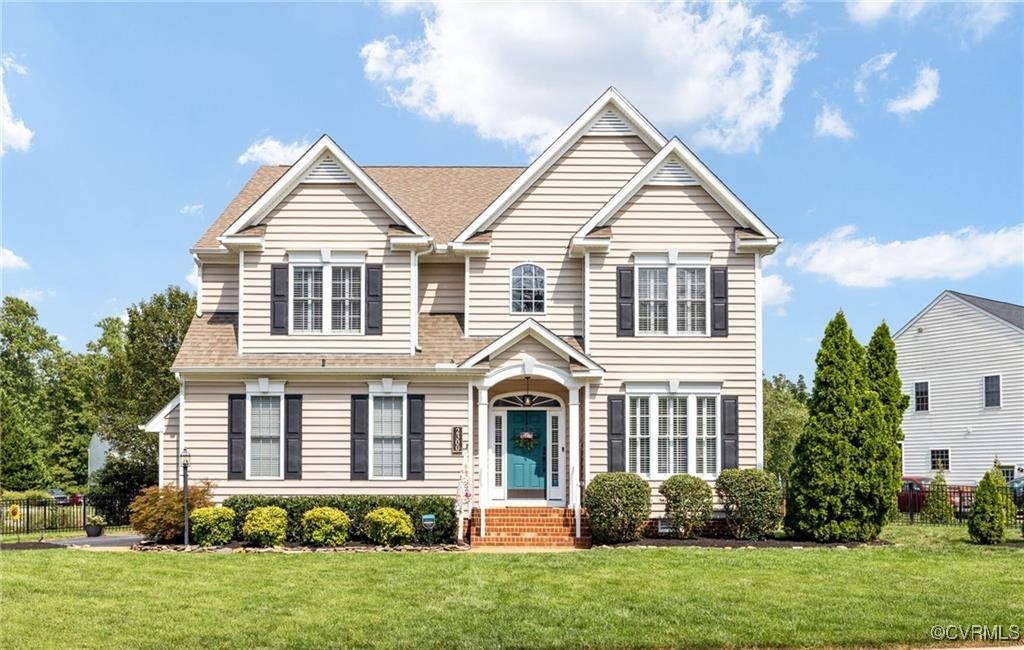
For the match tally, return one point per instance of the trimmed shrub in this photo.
(211, 526)
(688, 504)
(937, 509)
(388, 527)
(265, 526)
(356, 506)
(986, 521)
(618, 504)
(158, 512)
(26, 495)
(751, 499)
(324, 527)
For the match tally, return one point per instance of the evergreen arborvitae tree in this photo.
(884, 379)
(836, 491)
(937, 508)
(986, 521)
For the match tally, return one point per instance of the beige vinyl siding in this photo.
(337, 217)
(529, 346)
(956, 348)
(220, 288)
(170, 455)
(441, 288)
(658, 219)
(326, 429)
(538, 227)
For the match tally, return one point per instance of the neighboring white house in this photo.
(961, 361)
(99, 449)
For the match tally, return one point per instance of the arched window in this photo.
(527, 289)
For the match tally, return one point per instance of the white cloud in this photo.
(876, 65)
(865, 262)
(871, 12)
(271, 151)
(921, 96)
(14, 135)
(775, 291)
(792, 7)
(9, 261)
(979, 19)
(193, 277)
(35, 295)
(519, 74)
(192, 209)
(830, 122)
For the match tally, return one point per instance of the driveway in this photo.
(121, 542)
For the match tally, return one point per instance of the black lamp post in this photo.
(186, 460)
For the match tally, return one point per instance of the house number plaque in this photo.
(456, 440)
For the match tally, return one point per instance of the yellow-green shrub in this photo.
(212, 526)
(388, 526)
(324, 527)
(265, 526)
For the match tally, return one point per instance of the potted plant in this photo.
(94, 525)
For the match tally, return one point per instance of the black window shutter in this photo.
(360, 443)
(616, 433)
(624, 300)
(719, 301)
(236, 436)
(278, 299)
(416, 438)
(730, 432)
(293, 436)
(374, 298)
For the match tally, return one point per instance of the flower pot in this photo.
(92, 530)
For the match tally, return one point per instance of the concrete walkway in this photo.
(116, 542)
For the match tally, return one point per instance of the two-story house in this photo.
(961, 361)
(390, 330)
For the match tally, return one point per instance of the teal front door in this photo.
(527, 463)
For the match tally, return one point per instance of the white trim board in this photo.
(296, 174)
(611, 98)
(705, 178)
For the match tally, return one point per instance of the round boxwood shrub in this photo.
(265, 526)
(751, 499)
(688, 504)
(388, 526)
(324, 527)
(212, 526)
(986, 521)
(618, 504)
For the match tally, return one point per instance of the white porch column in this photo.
(484, 453)
(574, 453)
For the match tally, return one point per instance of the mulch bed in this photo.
(720, 542)
(351, 547)
(28, 546)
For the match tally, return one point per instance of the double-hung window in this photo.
(672, 434)
(993, 396)
(672, 299)
(265, 431)
(387, 437)
(326, 297)
(921, 396)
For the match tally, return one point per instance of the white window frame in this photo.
(913, 396)
(327, 260)
(653, 391)
(511, 273)
(389, 388)
(672, 262)
(263, 388)
(1000, 404)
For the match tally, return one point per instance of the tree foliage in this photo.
(987, 520)
(937, 509)
(840, 480)
(884, 379)
(785, 414)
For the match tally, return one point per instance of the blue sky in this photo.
(883, 142)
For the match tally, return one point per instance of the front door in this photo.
(527, 454)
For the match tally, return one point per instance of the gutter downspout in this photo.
(414, 299)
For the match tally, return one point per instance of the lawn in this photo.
(609, 597)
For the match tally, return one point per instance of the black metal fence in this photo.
(28, 516)
(923, 505)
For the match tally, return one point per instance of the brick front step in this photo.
(529, 526)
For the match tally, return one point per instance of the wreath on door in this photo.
(526, 440)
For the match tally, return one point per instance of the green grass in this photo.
(879, 595)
